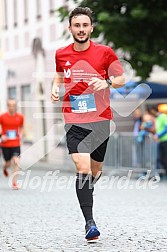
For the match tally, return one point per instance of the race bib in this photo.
(11, 134)
(82, 103)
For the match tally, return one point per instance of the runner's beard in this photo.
(81, 41)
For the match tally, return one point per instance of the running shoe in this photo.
(5, 172)
(92, 233)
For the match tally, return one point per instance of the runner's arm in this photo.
(21, 132)
(0, 132)
(57, 82)
(3, 138)
(116, 82)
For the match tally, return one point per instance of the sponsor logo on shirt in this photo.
(68, 63)
(67, 73)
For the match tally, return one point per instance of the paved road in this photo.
(42, 217)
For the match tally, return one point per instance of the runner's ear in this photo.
(69, 28)
(92, 29)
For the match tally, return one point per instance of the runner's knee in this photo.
(15, 160)
(82, 167)
(82, 163)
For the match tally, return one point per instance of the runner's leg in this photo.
(5, 167)
(84, 183)
(15, 158)
(7, 158)
(84, 191)
(96, 169)
(15, 170)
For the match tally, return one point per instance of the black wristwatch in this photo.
(109, 83)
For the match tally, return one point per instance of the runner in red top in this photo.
(79, 67)
(87, 70)
(11, 126)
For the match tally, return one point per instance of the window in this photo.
(25, 93)
(52, 32)
(6, 45)
(27, 112)
(16, 42)
(5, 15)
(51, 6)
(27, 39)
(38, 8)
(15, 12)
(12, 93)
(25, 11)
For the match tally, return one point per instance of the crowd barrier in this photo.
(125, 151)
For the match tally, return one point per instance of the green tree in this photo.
(138, 27)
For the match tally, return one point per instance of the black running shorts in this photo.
(88, 138)
(9, 152)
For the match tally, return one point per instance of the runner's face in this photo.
(11, 106)
(81, 28)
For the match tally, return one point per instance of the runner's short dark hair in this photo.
(81, 11)
(11, 99)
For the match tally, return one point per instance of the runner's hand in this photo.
(4, 138)
(55, 94)
(98, 84)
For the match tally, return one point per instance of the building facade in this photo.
(31, 32)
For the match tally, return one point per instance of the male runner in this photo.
(11, 130)
(89, 70)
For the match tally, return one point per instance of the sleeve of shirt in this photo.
(57, 61)
(164, 126)
(112, 64)
(22, 121)
(164, 119)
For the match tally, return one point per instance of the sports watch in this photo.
(109, 82)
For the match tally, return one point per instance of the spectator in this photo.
(137, 115)
(136, 149)
(147, 126)
(161, 134)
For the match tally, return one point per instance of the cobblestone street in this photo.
(48, 218)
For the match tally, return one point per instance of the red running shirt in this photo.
(81, 103)
(11, 125)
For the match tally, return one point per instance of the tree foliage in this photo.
(138, 27)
